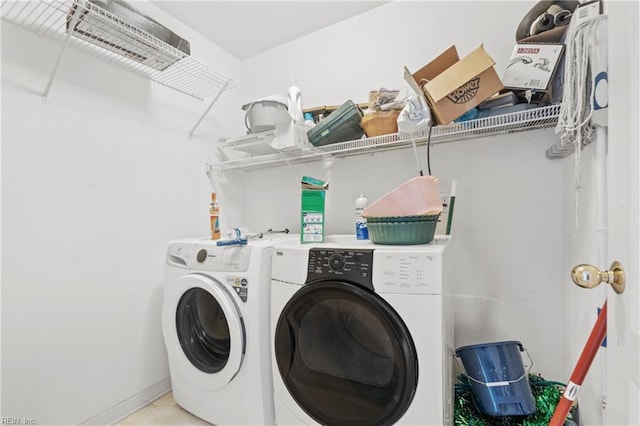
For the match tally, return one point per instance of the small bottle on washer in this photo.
(214, 215)
(362, 232)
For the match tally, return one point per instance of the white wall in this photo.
(508, 213)
(94, 185)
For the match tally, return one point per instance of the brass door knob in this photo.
(588, 276)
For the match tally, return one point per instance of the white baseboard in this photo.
(131, 404)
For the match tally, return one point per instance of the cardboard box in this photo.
(532, 66)
(453, 86)
(312, 216)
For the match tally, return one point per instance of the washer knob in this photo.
(201, 256)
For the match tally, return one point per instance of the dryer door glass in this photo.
(203, 330)
(345, 355)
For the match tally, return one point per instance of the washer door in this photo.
(209, 331)
(345, 355)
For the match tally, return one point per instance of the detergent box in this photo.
(312, 218)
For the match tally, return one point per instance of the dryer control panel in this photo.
(349, 265)
(414, 272)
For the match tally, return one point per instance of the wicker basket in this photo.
(380, 123)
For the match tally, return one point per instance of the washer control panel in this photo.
(179, 255)
(221, 259)
(351, 265)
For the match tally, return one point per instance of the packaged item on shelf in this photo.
(341, 125)
(383, 99)
(453, 86)
(415, 115)
(532, 66)
(483, 113)
(499, 100)
(312, 224)
(380, 123)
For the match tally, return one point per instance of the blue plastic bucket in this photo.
(498, 379)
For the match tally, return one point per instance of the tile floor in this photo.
(163, 411)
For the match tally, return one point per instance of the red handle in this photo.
(582, 367)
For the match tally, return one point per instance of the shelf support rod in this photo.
(209, 107)
(72, 25)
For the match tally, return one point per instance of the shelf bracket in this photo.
(226, 84)
(67, 39)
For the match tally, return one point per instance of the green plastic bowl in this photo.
(402, 230)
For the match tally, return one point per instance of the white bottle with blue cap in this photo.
(308, 119)
(362, 232)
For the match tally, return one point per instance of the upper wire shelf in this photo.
(532, 119)
(125, 44)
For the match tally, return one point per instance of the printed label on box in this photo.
(309, 217)
(311, 238)
(466, 92)
(312, 232)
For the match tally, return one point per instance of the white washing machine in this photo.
(215, 322)
(362, 334)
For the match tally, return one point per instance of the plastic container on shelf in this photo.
(266, 114)
(341, 125)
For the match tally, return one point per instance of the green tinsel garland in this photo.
(546, 394)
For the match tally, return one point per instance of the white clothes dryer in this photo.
(362, 334)
(215, 323)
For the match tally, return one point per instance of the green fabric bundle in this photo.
(546, 394)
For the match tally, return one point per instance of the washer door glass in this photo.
(203, 330)
(345, 355)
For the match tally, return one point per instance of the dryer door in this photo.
(209, 330)
(345, 355)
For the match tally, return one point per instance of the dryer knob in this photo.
(201, 256)
(336, 262)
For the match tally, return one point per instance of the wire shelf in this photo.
(532, 119)
(117, 41)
